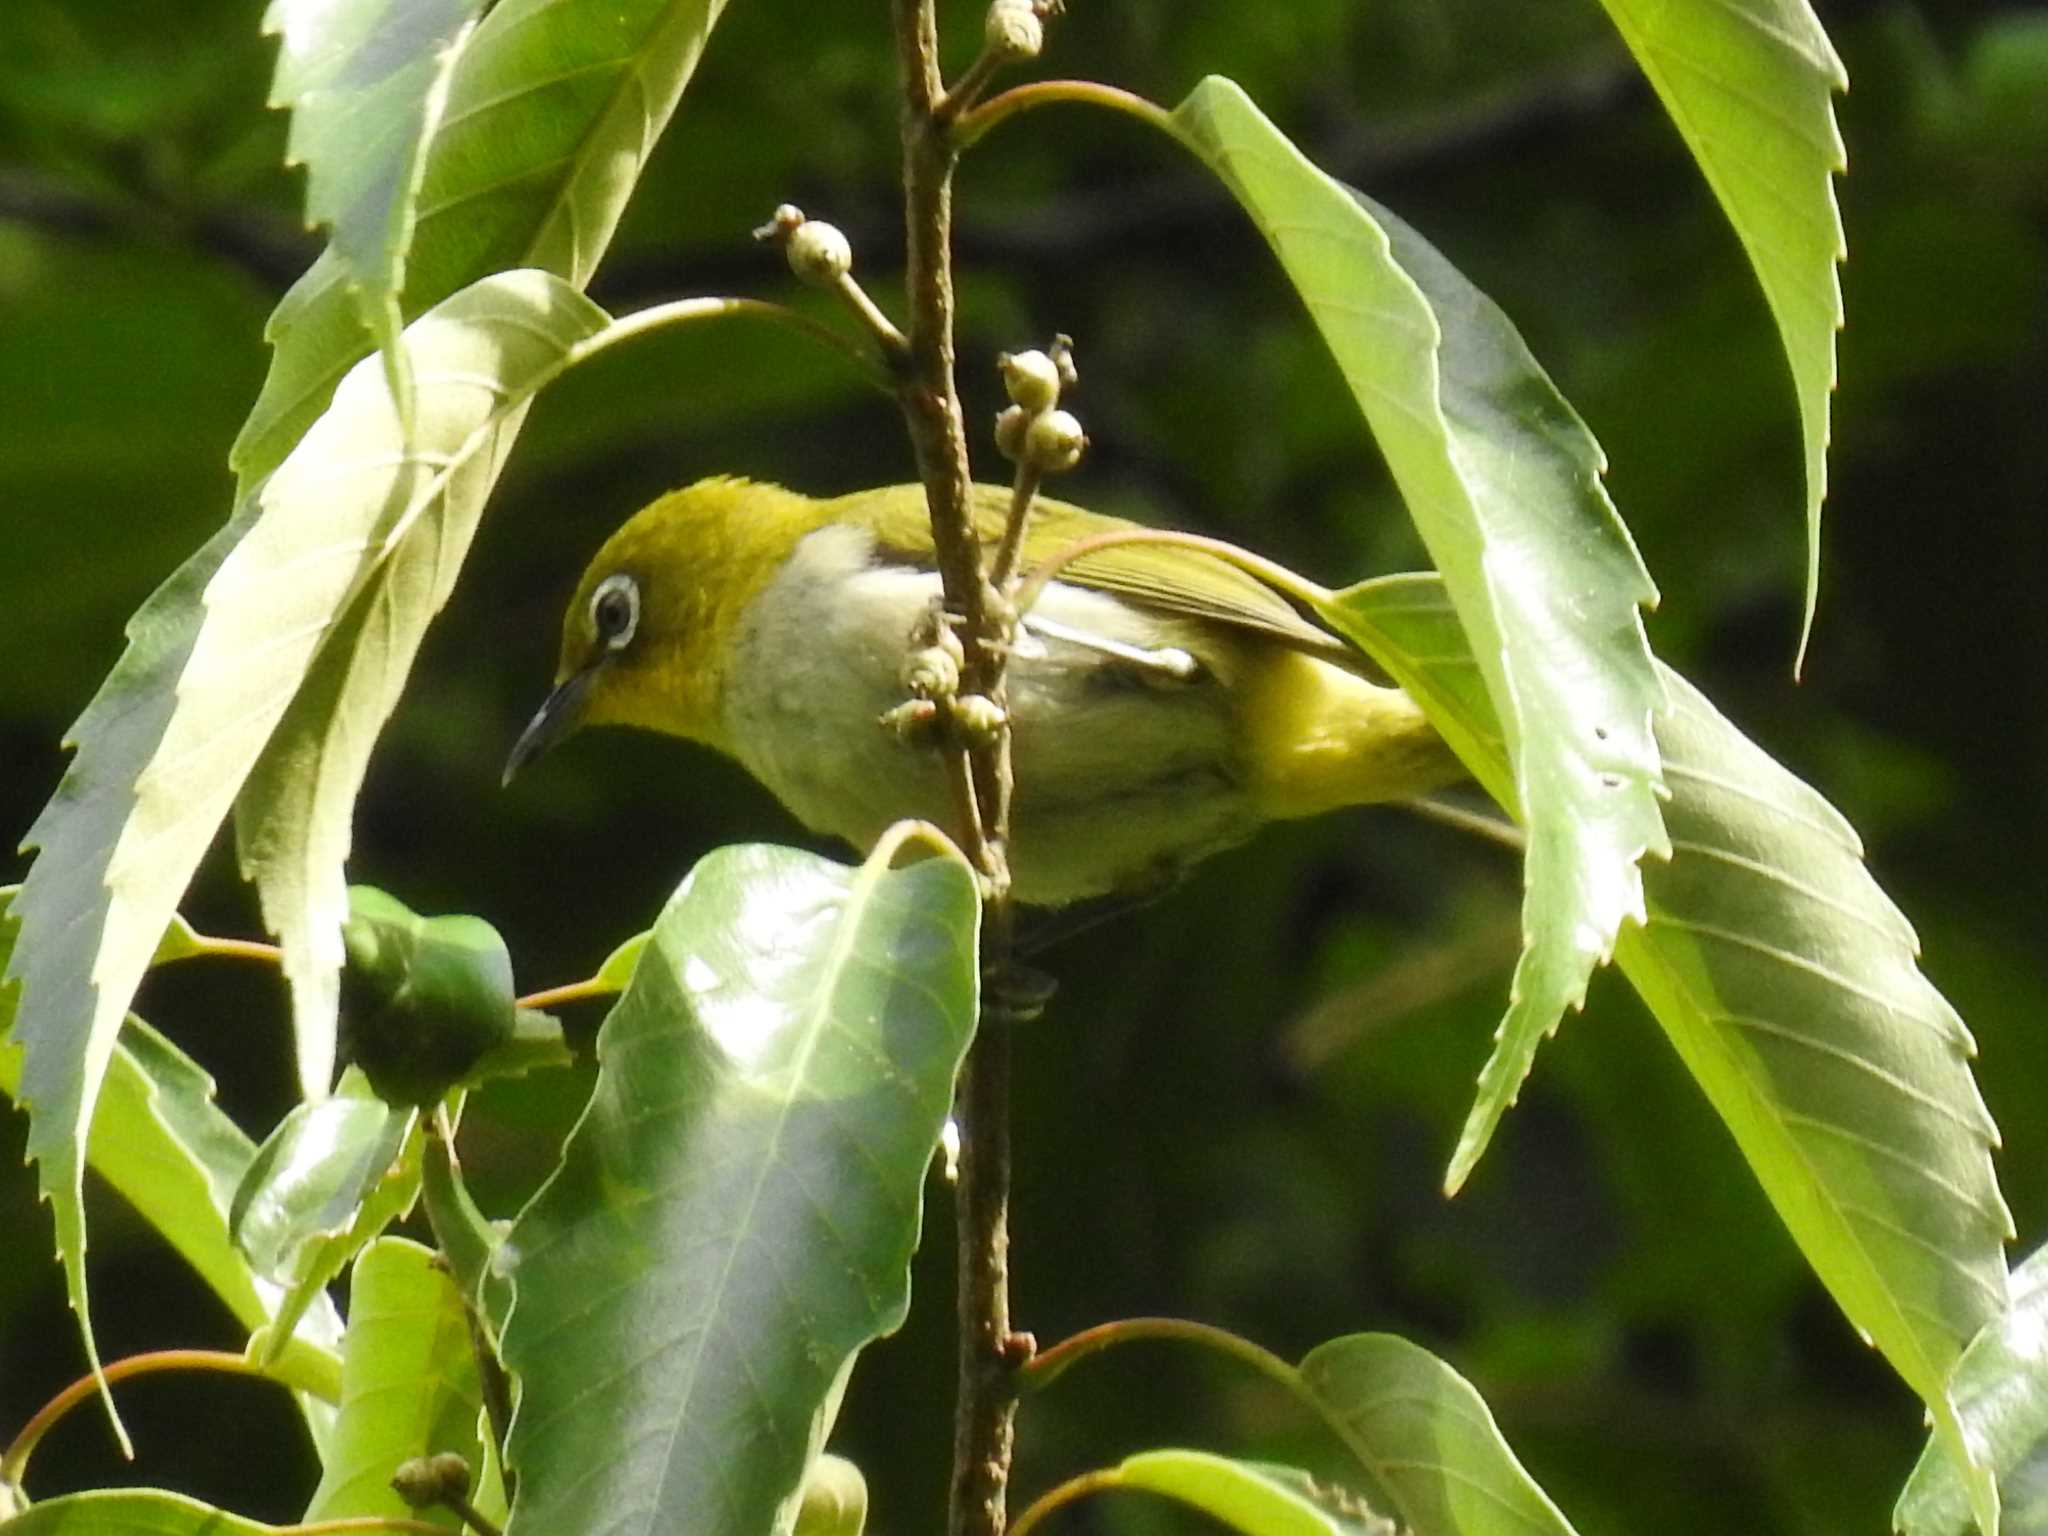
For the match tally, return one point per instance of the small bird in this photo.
(1163, 703)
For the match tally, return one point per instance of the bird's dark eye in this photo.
(615, 610)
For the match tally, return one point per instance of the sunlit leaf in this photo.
(1503, 482)
(1788, 983)
(1428, 1439)
(1246, 1496)
(359, 545)
(68, 1013)
(2000, 1388)
(553, 108)
(408, 1384)
(355, 527)
(735, 1213)
(1750, 84)
(366, 81)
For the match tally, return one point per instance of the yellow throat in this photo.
(1164, 704)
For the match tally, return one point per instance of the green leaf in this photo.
(1427, 1438)
(331, 1177)
(617, 971)
(1750, 85)
(366, 82)
(2000, 1389)
(69, 1013)
(735, 1213)
(1503, 481)
(312, 1175)
(552, 110)
(159, 1140)
(354, 528)
(132, 1512)
(1788, 984)
(426, 997)
(408, 1384)
(362, 535)
(1246, 1496)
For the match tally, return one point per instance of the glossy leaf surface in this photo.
(735, 1213)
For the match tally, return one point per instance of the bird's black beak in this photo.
(555, 719)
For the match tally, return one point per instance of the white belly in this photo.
(1121, 777)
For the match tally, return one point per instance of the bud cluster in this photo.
(1034, 432)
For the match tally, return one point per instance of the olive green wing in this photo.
(1170, 579)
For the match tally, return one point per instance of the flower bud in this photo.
(1011, 426)
(978, 717)
(819, 254)
(782, 223)
(911, 721)
(931, 672)
(1013, 28)
(1062, 350)
(1054, 442)
(1031, 378)
(426, 1481)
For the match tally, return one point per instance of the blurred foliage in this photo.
(1612, 1280)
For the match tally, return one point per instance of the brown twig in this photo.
(987, 1388)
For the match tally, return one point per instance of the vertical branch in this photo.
(987, 1392)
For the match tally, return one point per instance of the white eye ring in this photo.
(615, 611)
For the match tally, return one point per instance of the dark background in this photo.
(1240, 1106)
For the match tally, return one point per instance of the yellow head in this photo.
(645, 638)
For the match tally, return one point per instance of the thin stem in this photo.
(1004, 571)
(211, 948)
(1047, 1367)
(685, 311)
(1063, 1494)
(569, 992)
(492, 1383)
(1493, 829)
(474, 1518)
(870, 314)
(14, 1462)
(970, 127)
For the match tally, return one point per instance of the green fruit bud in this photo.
(1032, 380)
(422, 998)
(1054, 442)
(1013, 27)
(426, 1481)
(1011, 427)
(819, 254)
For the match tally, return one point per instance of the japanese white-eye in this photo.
(1164, 703)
